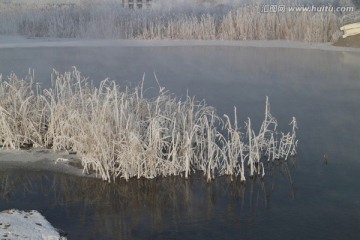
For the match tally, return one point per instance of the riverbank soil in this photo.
(351, 41)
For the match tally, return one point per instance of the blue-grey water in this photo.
(304, 198)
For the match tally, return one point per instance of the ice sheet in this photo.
(42, 159)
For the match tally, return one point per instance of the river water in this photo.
(304, 198)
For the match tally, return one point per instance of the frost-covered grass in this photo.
(118, 133)
(203, 21)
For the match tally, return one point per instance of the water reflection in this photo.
(89, 208)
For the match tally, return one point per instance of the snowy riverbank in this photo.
(16, 224)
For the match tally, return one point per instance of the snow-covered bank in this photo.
(16, 224)
(23, 42)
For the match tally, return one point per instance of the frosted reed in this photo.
(118, 133)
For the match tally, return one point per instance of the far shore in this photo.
(23, 42)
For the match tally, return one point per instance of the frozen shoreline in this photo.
(41, 159)
(23, 42)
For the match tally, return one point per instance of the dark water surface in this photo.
(306, 198)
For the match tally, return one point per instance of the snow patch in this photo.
(17, 224)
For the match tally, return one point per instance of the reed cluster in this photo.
(220, 22)
(118, 133)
